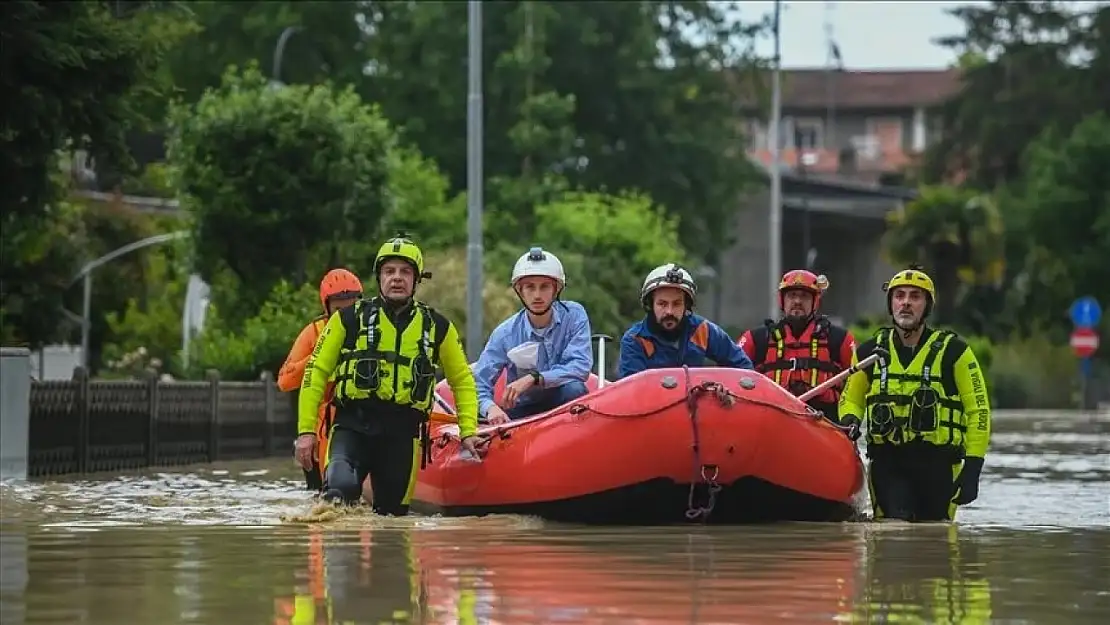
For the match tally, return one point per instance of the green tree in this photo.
(83, 71)
(325, 46)
(574, 90)
(1029, 65)
(957, 234)
(146, 333)
(241, 350)
(664, 126)
(607, 244)
(1061, 211)
(446, 290)
(270, 174)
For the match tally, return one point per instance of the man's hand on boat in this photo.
(851, 425)
(496, 416)
(474, 444)
(304, 450)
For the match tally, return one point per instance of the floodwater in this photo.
(241, 543)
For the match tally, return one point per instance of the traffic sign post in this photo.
(1084, 342)
(1085, 314)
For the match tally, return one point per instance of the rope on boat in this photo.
(702, 473)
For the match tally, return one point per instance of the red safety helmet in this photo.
(339, 283)
(800, 279)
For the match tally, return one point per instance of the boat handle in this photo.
(601, 339)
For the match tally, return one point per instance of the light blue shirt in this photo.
(565, 354)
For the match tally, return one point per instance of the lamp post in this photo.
(474, 278)
(775, 221)
(279, 52)
(85, 274)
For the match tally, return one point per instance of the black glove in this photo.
(851, 424)
(967, 483)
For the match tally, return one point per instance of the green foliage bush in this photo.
(146, 335)
(272, 174)
(1034, 372)
(263, 341)
(607, 243)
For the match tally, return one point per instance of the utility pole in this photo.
(775, 232)
(474, 278)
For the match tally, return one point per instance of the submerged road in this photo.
(244, 543)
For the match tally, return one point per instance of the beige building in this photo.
(846, 135)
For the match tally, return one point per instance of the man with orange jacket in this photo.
(339, 289)
(803, 349)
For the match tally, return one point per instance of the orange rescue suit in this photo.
(289, 379)
(799, 363)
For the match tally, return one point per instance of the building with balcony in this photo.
(845, 138)
(859, 125)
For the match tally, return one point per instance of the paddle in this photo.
(878, 354)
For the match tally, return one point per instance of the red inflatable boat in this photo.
(714, 444)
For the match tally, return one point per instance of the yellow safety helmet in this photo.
(401, 247)
(916, 278)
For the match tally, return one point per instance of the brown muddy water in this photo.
(241, 543)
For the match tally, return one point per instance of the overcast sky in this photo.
(871, 35)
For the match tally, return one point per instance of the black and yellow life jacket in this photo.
(917, 401)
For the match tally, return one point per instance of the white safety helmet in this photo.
(537, 262)
(669, 275)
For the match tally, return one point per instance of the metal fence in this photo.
(84, 425)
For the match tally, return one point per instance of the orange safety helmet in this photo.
(803, 280)
(338, 283)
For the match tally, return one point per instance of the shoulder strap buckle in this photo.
(935, 346)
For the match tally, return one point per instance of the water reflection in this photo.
(858, 574)
(362, 569)
(563, 575)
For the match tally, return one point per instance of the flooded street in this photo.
(241, 543)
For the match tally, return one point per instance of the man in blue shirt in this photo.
(671, 334)
(545, 346)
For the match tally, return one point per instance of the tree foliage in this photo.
(1061, 210)
(327, 43)
(608, 244)
(959, 234)
(574, 90)
(1036, 64)
(242, 350)
(271, 174)
(145, 333)
(82, 72)
(580, 90)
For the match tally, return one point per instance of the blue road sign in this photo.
(1085, 312)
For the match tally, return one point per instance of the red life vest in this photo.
(800, 363)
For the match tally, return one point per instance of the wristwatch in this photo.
(537, 378)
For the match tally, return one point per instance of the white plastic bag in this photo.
(526, 356)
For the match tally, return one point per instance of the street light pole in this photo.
(85, 275)
(279, 50)
(775, 231)
(474, 278)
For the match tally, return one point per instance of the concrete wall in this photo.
(848, 252)
(55, 362)
(15, 411)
